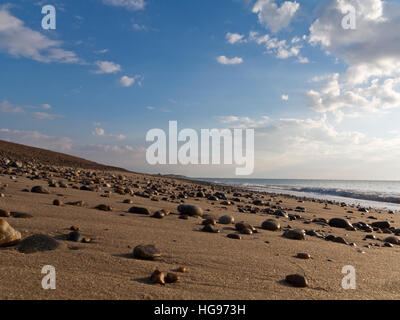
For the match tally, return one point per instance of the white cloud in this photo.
(101, 133)
(229, 61)
(126, 81)
(107, 67)
(233, 38)
(36, 139)
(20, 41)
(285, 97)
(7, 107)
(128, 4)
(273, 17)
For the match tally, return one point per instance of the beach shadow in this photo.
(123, 255)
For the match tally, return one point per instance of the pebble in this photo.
(182, 269)
(234, 236)
(381, 224)
(171, 278)
(57, 202)
(8, 235)
(139, 210)
(4, 213)
(339, 223)
(104, 207)
(211, 221)
(297, 280)
(38, 243)
(159, 214)
(75, 236)
(190, 210)
(158, 277)
(296, 234)
(209, 228)
(146, 252)
(271, 225)
(21, 215)
(303, 255)
(40, 189)
(392, 240)
(226, 220)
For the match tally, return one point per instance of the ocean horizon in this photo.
(379, 194)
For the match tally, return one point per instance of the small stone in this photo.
(74, 228)
(128, 201)
(158, 277)
(139, 210)
(171, 278)
(381, 224)
(104, 207)
(74, 236)
(388, 244)
(226, 220)
(21, 215)
(392, 240)
(79, 203)
(4, 213)
(209, 221)
(297, 280)
(159, 214)
(303, 255)
(271, 225)
(339, 223)
(8, 235)
(182, 269)
(57, 202)
(86, 240)
(234, 236)
(296, 234)
(38, 243)
(209, 228)
(146, 252)
(190, 210)
(40, 189)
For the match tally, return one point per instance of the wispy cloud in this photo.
(229, 61)
(7, 107)
(127, 4)
(107, 67)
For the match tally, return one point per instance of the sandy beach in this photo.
(218, 267)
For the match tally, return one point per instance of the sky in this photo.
(323, 100)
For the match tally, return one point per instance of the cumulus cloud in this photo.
(126, 81)
(229, 61)
(127, 4)
(273, 17)
(233, 38)
(107, 67)
(18, 40)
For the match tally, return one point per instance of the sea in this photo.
(373, 194)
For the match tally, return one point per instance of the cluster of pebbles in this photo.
(158, 189)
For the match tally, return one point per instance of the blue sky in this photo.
(323, 100)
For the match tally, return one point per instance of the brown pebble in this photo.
(182, 269)
(57, 202)
(303, 255)
(86, 240)
(4, 213)
(234, 236)
(297, 280)
(171, 278)
(74, 228)
(158, 277)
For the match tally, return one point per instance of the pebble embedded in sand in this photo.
(4, 213)
(381, 224)
(158, 277)
(8, 235)
(146, 252)
(209, 228)
(296, 234)
(79, 203)
(159, 214)
(57, 202)
(182, 269)
(128, 201)
(297, 280)
(38, 243)
(271, 225)
(339, 223)
(21, 215)
(40, 189)
(190, 210)
(74, 228)
(244, 225)
(392, 240)
(75, 236)
(303, 255)
(171, 278)
(234, 236)
(213, 222)
(139, 210)
(226, 220)
(104, 207)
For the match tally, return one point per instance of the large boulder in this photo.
(340, 223)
